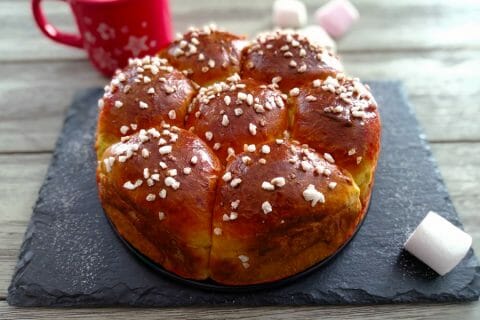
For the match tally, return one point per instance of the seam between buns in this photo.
(217, 186)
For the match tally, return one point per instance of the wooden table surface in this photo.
(433, 46)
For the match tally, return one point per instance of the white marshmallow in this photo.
(289, 14)
(438, 243)
(336, 17)
(318, 36)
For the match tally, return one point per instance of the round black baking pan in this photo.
(211, 285)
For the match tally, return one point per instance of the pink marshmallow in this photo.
(289, 14)
(336, 17)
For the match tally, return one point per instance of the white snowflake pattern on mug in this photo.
(105, 31)
(89, 37)
(136, 45)
(104, 59)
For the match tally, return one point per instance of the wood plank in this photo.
(21, 178)
(386, 25)
(20, 38)
(459, 164)
(23, 175)
(33, 100)
(465, 311)
(11, 237)
(35, 95)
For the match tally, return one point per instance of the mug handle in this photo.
(50, 31)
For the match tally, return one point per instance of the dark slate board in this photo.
(71, 256)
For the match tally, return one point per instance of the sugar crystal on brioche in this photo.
(240, 162)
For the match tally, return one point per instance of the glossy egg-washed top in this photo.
(242, 162)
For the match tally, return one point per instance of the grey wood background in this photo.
(433, 46)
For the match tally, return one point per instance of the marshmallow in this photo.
(336, 17)
(317, 35)
(438, 243)
(289, 14)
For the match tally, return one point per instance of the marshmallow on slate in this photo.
(289, 14)
(318, 36)
(438, 243)
(336, 17)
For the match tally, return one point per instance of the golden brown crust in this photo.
(237, 198)
(340, 116)
(166, 196)
(231, 114)
(289, 211)
(143, 95)
(206, 55)
(289, 56)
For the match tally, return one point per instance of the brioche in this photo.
(288, 59)
(248, 172)
(206, 55)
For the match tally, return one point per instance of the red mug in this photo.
(113, 30)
